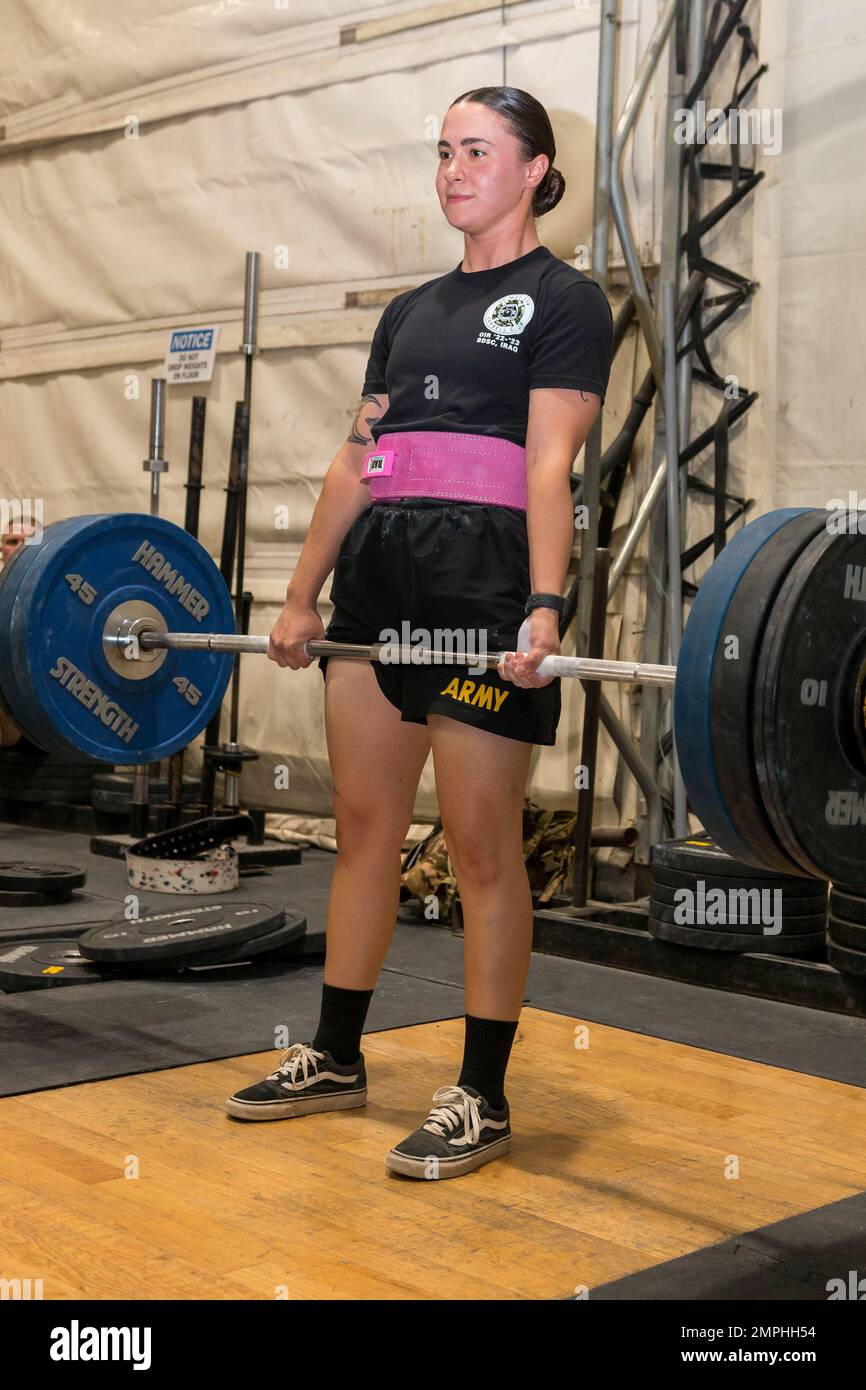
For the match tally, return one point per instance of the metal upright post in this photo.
(592, 600)
(581, 838)
(599, 267)
(155, 464)
(697, 32)
(675, 587)
(651, 825)
(667, 433)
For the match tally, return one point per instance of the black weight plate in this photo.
(850, 934)
(26, 965)
(44, 772)
(60, 799)
(116, 784)
(306, 949)
(698, 855)
(32, 787)
(810, 737)
(52, 796)
(793, 902)
(847, 905)
(733, 680)
(815, 889)
(291, 930)
(110, 801)
(736, 941)
(24, 899)
(27, 799)
(792, 925)
(18, 874)
(694, 714)
(848, 961)
(194, 931)
(284, 938)
(38, 760)
(122, 782)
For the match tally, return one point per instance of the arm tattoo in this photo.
(584, 396)
(356, 435)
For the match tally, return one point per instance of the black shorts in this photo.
(453, 566)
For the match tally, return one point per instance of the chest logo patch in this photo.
(510, 314)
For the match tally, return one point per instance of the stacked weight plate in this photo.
(769, 701)
(846, 948)
(210, 933)
(702, 897)
(111, 792)
(160, 942)
(45, 778)
(25, 884)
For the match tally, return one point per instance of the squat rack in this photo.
(673, 330)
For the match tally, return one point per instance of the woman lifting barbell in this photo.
(448, 509)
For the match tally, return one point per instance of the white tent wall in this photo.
(326, 167)
(149, 146)
(807, 353)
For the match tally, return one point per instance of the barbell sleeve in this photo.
(570, 667)
(200, 642)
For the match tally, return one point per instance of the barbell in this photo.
(135, 638)
(116, 642)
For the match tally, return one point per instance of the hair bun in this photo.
(549, 192)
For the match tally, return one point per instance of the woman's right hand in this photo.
(298, 623)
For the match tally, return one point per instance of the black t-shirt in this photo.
(462, 352)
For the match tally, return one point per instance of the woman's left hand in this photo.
(520, 667)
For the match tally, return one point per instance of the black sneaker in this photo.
(305, 1081)
(461, 1132)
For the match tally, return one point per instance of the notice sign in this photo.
(191, 354)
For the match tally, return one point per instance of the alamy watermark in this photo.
(443, 646)
(728, 907)
(734, 125)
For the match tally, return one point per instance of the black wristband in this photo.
(545, 601)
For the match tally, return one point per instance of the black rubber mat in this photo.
(107, 884)
(802, 1259)
(59, 1037)
(760, 1030)
(813, 1041)
(51, 1038)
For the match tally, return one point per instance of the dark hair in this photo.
(530, 123)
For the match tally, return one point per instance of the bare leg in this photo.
(376, 762)
(481, 784)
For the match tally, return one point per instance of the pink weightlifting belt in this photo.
(437, 463)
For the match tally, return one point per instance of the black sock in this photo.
(341, 1022)
(486, 1050)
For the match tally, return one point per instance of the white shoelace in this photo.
(298, 1057)
(455, 1105)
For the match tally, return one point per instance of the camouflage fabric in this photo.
(547, 853)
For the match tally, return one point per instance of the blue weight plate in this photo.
(12, 575)
(18, 611)
(25, 712)
(693, 704)
(81, 573)
(11, 580)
